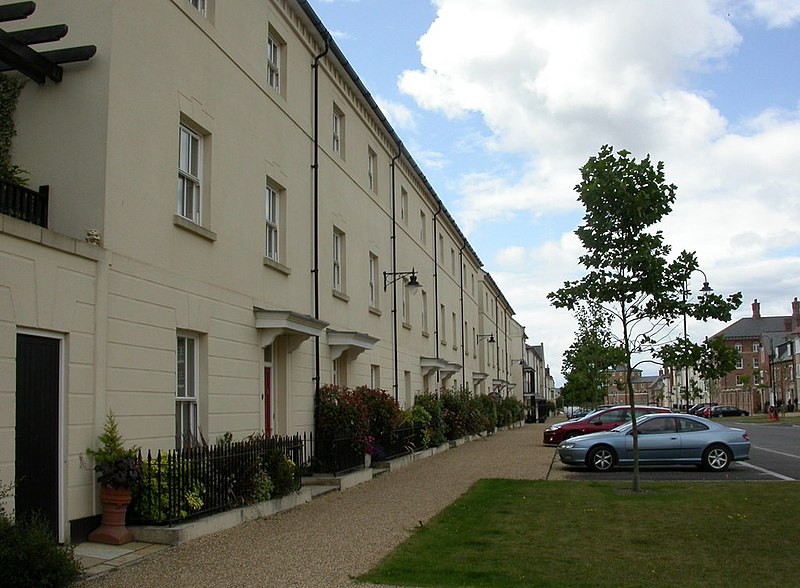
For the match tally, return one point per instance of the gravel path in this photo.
(340, 535)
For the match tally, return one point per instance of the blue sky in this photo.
(501, 101)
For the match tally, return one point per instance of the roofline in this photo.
(325, 34)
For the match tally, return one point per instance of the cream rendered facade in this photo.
(262, 310)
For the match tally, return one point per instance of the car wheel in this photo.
(717, 458)
(601, 459)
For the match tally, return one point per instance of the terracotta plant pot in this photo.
(112, 529)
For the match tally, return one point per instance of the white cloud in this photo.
(400, 116)
(776, 13)
(554, 81)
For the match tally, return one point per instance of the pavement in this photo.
(335, 536)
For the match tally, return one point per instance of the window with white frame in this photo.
(375, 377)
(406, 305)
(424, 311)
(452, 261)
(441, 249)
(472, 285)
(190, 158)
(186, 391)
(372, 170)
(273, 211)
(756, 347)
(739, 363)
(423, 232)
(338, 260)
(738, 347)
(455, 331)
(374, 272)
(338, 131)
(443, 324)
(740, 380)
(275, 49)
(756, 363)
(466, 339)
(404, 206)
(200, 5)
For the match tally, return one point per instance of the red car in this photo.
(599, 420)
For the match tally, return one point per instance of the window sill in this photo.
(340, 295)
(188, 225)
(406, 325)
(286, 270)
(376, 311)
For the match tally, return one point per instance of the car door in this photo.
(606, 421)
(658, 440)
(694, 438)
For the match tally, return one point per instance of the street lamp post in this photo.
(706, 289)
(413, 285)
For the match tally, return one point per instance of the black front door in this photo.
(38, 375)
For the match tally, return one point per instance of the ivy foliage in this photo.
(10, 89)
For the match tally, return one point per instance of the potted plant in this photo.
(118, 470)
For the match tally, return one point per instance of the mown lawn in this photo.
(539, 533)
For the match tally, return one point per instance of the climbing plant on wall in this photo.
(9, 92)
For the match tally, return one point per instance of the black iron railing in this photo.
(24, 203)
(337, 453)
(187, 483)
(401, 441)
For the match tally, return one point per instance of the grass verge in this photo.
(540, 533)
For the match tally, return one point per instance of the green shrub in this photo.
(510, 410)
(150, 499)
(262, 486)
(29, 554)
(432, 404)
(282, 472)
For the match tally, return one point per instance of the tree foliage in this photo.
(631, 273)
(588, 359)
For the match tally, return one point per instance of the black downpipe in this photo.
(315, 166)
(436, 342)
(463, 334)
(394, 273)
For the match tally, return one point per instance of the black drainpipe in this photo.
(315, 166)
(436, 342)
(394, 270)
(463, 334)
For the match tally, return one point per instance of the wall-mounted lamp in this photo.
(490, 337)
(412, 283)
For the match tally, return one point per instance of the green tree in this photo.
(629, 270)
(588, 359)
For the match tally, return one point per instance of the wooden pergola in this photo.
(16, 53)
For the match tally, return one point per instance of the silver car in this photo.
(664, 439)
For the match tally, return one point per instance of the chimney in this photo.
(756, 309)
(795, 307)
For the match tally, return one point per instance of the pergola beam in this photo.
(27, 61)
(16, 11)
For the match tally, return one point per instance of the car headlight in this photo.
(554, 427)
(566, 445)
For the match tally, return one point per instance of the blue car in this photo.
(664, 439)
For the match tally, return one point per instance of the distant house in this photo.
(646, 389)
(766, 371)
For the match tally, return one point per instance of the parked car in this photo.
(726, 411)
(599, 420)
(664, 439)
(699, 408)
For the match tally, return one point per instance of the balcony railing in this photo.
(23, 203)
